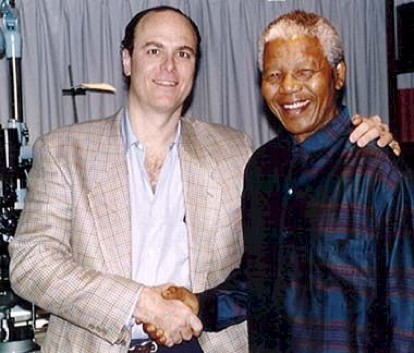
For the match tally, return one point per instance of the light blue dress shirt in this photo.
(160, 246)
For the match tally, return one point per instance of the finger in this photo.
(169, 343)
(159, 332)
(177, 338)
(162, 340)
(187, 334)
(396, 148)
(363, 133)
(196, 326)
(369, 136)
(183, 294)
(170, 340)
(385, 139)
(368, 129)
(171, 292)
(149, 328)
(357, 119)
(155, 333)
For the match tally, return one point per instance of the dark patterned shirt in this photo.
(329, 247)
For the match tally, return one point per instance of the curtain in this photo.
(85, 35)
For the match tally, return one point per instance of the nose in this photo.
(168, 63)
(289, 84)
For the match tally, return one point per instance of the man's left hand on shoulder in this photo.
(371, 128)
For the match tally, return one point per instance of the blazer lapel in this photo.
(202, 195)
(110, 202)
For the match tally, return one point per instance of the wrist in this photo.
(141, 313)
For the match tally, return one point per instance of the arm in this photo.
(224, 305)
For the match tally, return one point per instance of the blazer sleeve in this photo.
(47, 267)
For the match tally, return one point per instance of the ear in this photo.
(339, 75)
(126, 62)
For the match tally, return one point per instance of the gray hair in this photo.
(301, 23)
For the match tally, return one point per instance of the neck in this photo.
(154, 130)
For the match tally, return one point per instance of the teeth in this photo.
(166, 83)
(295, 105)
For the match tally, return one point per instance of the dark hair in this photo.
(129, 36)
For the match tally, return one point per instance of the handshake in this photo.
(169, 314)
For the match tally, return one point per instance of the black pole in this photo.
(75, 111)
(16, 100)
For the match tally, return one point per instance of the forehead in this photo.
(166, 26)
(294, 49)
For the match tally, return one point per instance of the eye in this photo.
(305, 74)
(184, 54)
(274, 77)
(153, 51)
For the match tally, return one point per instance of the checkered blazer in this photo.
(71, 252)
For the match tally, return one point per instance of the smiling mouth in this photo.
(296, 105)
(166, 83)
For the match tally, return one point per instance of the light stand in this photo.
(15, 162)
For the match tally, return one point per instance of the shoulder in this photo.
(213, 131)
(216, 138)
(376, 161)
(81, 143)
(81, 133)
(273, 154)
(377, 169)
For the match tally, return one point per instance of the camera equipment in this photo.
(16, 332)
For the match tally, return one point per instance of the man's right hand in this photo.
(172, 320)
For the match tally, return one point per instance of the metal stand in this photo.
(16, 336)
(19, 347)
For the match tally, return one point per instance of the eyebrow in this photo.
(159, 45)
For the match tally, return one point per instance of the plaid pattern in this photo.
(71, 249)
(329, 247)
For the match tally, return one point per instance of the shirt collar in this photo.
(325, 137)
(129, 138)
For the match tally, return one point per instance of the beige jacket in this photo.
(72, 249)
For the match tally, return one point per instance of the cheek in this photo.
(322, 89)
(189, 73)
(268, 92)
